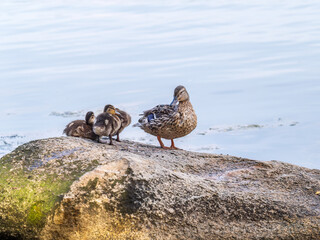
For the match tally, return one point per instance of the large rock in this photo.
(71, 188)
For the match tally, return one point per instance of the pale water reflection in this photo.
(244, 63)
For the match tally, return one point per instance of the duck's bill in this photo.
(174, 102)
(112, 111)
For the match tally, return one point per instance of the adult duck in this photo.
(170, 121)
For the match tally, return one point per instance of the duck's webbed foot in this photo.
(173, 146)
(161, 143)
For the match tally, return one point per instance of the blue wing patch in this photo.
(150, 117)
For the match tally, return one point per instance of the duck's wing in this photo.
(159, 113)
(74, 128)
(116, 123)
(125, 116)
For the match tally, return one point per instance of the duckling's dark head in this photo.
(109, 109)
(90, 118)
(180, 95)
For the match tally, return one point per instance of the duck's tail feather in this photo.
(136, 125)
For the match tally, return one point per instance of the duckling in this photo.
(107, 123)
(124, 117)
(81, 128)
(170, 121)
(125, 121)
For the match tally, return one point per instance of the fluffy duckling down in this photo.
(107, 123)
(82, 128)
(125, 121)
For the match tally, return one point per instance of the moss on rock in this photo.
(27, 198)
(30, 188)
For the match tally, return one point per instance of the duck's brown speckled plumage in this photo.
(170, 121)
(81, 128)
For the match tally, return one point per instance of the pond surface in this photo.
(251, 69)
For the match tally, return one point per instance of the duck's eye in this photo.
(182, 91)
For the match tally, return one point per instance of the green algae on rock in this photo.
(71, 188)
(31, 187)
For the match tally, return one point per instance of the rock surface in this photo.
(71, 188)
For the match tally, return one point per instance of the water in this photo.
(251, 69)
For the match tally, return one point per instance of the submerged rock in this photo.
(71, 188)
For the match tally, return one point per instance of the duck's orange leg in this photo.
(161, 143)
(173, 146)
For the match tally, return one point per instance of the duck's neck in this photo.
(184, 105)
(89, 123)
